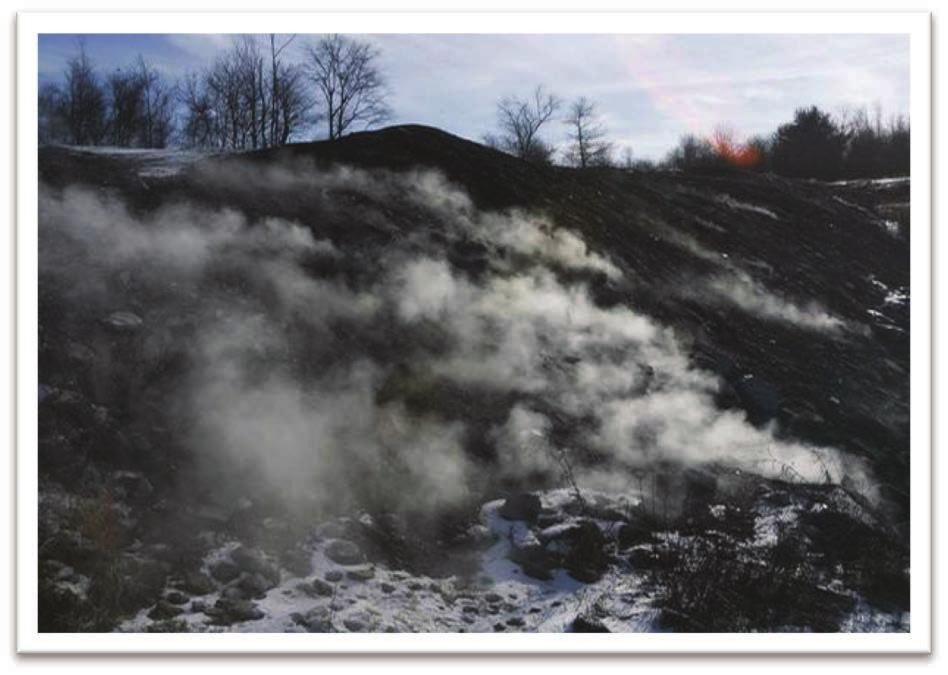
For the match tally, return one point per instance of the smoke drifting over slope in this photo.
(371, 371)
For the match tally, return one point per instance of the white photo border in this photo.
(915, 24)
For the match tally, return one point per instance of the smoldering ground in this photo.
(384, 372)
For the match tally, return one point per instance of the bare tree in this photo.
(84, 103)
(588, 144)
(291, 103)
(520, 122)
(52, 116)
(200, 127)
(242, 101)
(348, 82)
(125, 98)
(157, 107)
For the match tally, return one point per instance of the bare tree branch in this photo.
(349, 83)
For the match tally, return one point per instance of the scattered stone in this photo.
(361, 573)
(334, 575)
(176, 597)
(535, 561)
(493, 597)
(225, 571)
(198, 606)
(164, 610)
(255, 585)
(387, 587)
(515, 621)
(254, 562)
(353, 625)
(197, 583)
(583, 624)
(227, 611)
(297, 561)
(524, 506)
(316, 620)
(234, 592)
(634, 533)
(320, 587)
(344, 552)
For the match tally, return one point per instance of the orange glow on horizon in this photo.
(735, 153)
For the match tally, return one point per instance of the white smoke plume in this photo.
(313, 383)
(742, 290)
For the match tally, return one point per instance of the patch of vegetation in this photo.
(713, 584)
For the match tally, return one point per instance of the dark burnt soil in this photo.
(669, 232)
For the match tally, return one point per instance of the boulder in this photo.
(255, 585)
(176, 597)
(320, 587)
(227, 611)
(535, 561)
(523, 506)
(224, 571)
(254, 562)
(361, 573)
(344, 552)
(197, 583)
(316, 620)
(164, 610)
(584, 624)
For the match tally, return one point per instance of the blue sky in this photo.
(650, 89)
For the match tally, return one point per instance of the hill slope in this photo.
(406, 324)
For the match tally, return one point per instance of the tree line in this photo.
(251, 96)
(814, 144)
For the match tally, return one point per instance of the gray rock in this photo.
(197, 583)
(253, 561)
(255, 585)
(524, 506)
(164, 610)
(176, 597)
(334, 575)
(297, 561)
(344, 552)
(354, 625)
(584, 624)
(225, 571)
(320, 587)
(387, 587)
(316, 620)
(227, 611)
(361, 573)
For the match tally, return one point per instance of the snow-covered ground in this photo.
(152, 163)
(368, 597)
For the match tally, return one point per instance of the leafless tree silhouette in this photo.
(520, 121)
(348, 81)
(588, 144)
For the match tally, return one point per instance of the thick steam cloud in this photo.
(399, 380)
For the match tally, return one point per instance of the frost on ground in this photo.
(336, 592)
